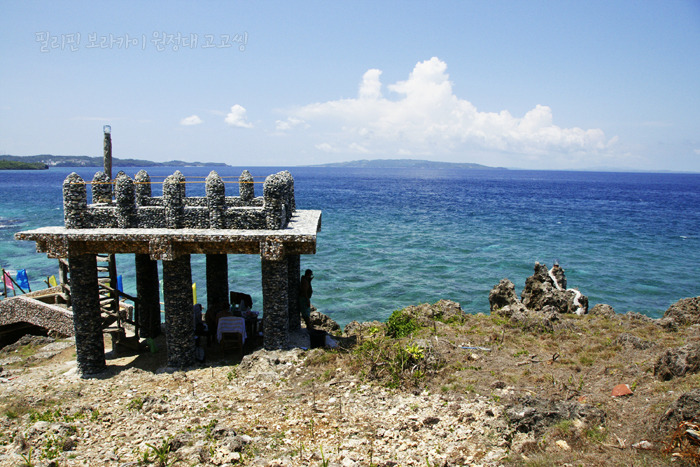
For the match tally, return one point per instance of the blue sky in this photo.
(539, 85)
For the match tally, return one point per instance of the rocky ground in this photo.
(431, 386)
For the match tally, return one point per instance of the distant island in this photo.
(48, 160)
(18, 165)
(407, 164)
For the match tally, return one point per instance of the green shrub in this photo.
(400, 325)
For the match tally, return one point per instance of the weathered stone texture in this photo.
(87, 322)
(26, 309)
(134, 207)
(246, 187)
(125, 197)
(274, 286)
(177, 291)
(293, 277)
(74, 202)
(101, 188)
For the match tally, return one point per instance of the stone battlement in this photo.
(128, 203)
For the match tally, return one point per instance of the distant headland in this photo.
(45, 161)
(18, 165)
(407, 164)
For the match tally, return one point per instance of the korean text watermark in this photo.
(159, 40)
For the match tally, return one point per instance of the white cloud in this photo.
(237, 117)
(428, 118)
(325, 147)
(288, 124)
(697, 151)
(191, 120)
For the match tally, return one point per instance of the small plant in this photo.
(520, 352)
(415, 352)
(596, 434)
(400, 325)
(27, 458)
(53, 448)
(231, 375)
(135, 404)
(324, 461)
(564, 427)
(160, 454)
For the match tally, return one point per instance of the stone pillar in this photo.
(107, 156)
(217, 282)
(89, 343)
(174, 199)
(74, 202)
(274, 208)
(179, 318)
(125, 197)
(293, 276)
(275, 300)
(246, 186)
(147, 291)
(216, 199)
(142, 188)
(101, 188)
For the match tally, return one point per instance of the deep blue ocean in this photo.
(397, 237)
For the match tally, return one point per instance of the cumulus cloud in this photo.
(426, 117)
(237, 117)
(191, 120)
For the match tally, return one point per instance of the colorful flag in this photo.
(120, 283)
(22, 279)
(8, 280)
(194, 293)
(52, 281)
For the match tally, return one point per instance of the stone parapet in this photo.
(133, 205)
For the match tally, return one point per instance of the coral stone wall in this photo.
(134, 207)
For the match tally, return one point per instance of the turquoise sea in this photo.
(398, 237)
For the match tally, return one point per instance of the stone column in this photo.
(246, 187)
(147, 291)
(143, 187)
(216, 199)
(89, 343)
(217, 282)
(74, 202)
(179, 318)
(275, 300)
(125, 196)
(107, 157)
(174, 200)
(101, 188)
(293, 275)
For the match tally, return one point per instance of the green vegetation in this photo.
(400, 325)
(16, 165)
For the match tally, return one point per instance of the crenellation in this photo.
(173, 196)
(125, 196)
(74, 202)
(134, 207)
(143, 188)
(216, 199)
(101, 188)
(246, 186)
